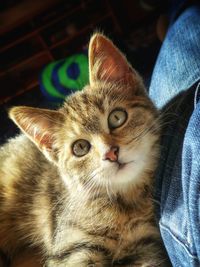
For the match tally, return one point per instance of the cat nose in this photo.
(112, 154)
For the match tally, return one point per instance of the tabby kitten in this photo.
(76, 185)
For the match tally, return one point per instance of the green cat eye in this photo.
(80, 147)
(117, 118)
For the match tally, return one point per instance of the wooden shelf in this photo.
(23, 12)
(28, 61)
(36, 29)
(13, 81)
(34, 84)
(38, 32)
(82, 31)
(11, 59)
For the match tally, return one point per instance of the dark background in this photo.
(34, 33)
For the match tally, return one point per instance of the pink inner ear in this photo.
(111, 71)
(37, 128)
(38, 124)
(44, 140)
(107, 63)
(111, 65)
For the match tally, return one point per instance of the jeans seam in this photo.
(196, 96)
(191, 255)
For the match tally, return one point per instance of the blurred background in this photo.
(36, 33)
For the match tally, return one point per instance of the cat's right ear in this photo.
(40, 126)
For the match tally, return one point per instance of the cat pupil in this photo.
(117, 118)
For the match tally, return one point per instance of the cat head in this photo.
(104, 136)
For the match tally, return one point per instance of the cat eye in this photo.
(81, 147)
(117, 118)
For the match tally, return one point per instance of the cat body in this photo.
(77, 184)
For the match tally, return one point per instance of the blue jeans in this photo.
(175, 90)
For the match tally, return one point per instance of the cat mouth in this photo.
(123, 165)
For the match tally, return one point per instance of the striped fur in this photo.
(85, 211)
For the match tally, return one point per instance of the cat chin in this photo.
(123, 177)
(126, 175)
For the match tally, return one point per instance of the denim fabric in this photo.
(178, 64)
(175, 89)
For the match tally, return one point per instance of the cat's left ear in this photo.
(107, 63)
(39, 125)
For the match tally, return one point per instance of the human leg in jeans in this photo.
(175, 90)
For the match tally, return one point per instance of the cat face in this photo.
(104, 136)
(110, 144)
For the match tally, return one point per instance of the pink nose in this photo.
(112, 154)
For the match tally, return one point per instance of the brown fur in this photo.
(84, 211)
